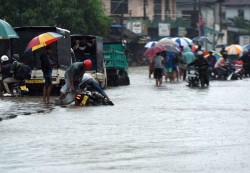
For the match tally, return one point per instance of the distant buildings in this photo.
(155, 19)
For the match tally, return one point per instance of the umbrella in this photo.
(182, 41)
(152, 51)
(6, 30)
(194, 47)
(216, 54)
(220, 46)
(42, 40)
(246, 47)
(165, 41)
(202, 39)
(150, 44)
(173, 49)
(234, 49)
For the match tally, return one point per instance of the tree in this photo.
(78, 16)
(239, 22)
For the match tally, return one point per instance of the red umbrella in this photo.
(152, 51)
(42, 40)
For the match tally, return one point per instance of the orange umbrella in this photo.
(42, 40)
(234, 49)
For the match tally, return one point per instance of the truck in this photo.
(61, 54)
(116, 63)
(91, 47)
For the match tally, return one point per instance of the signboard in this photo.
(164, 29)
(137, 27)
(244, 39)
(182, 32)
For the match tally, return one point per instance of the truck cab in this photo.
(115, 56)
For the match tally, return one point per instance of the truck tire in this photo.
(127, 81)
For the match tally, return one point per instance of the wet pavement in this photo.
(172, 128)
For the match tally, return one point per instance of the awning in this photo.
(213, 31)
(117, 31)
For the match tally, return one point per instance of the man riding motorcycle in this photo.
(202, 66)
(5, 70)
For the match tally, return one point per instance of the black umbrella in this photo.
(220, 46)
(202, 39)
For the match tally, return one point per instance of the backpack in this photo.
(23, 72)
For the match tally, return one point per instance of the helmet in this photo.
(15, 57)
(224, 54)
(87, 64)
(4, 58)
(200, 52)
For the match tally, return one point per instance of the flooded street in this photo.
(172, 128)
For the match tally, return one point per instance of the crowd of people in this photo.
(174, 66)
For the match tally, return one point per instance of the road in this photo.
(172, 128)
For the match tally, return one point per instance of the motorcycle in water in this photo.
(212, 73)
(18, 89)
(192, 77)
(230, 72)
(83, 97)
(88, 98)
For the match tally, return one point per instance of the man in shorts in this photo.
(158, 69)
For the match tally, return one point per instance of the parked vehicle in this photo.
(61, 54)
(91, 47)
(116, 63)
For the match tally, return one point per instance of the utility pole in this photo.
(144, 9)
(121, 21)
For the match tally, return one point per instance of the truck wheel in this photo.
(116, 80)
(127, 81)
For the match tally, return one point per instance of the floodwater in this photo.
(171, 128)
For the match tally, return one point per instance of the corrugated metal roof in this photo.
(193, 1)
(226, 2)
(236, 2)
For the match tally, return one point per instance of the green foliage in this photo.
(240, 22)
(78, 16)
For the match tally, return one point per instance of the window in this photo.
(167, 8)
(157, 7)
(241, 13)
(119, 6)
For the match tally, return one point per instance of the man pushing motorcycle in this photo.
(73, 76)
(202, 66)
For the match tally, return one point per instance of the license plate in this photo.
(84, 100)
(191, 75)
(23, 87)
(33, 81)
(192, 72)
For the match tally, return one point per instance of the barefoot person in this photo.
(47, 63)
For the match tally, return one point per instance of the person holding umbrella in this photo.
(47, 63)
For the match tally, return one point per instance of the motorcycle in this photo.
(19, 89)
(230, 72)
(88, 98)
(192, 77)
(83, 97)
(212, 73)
